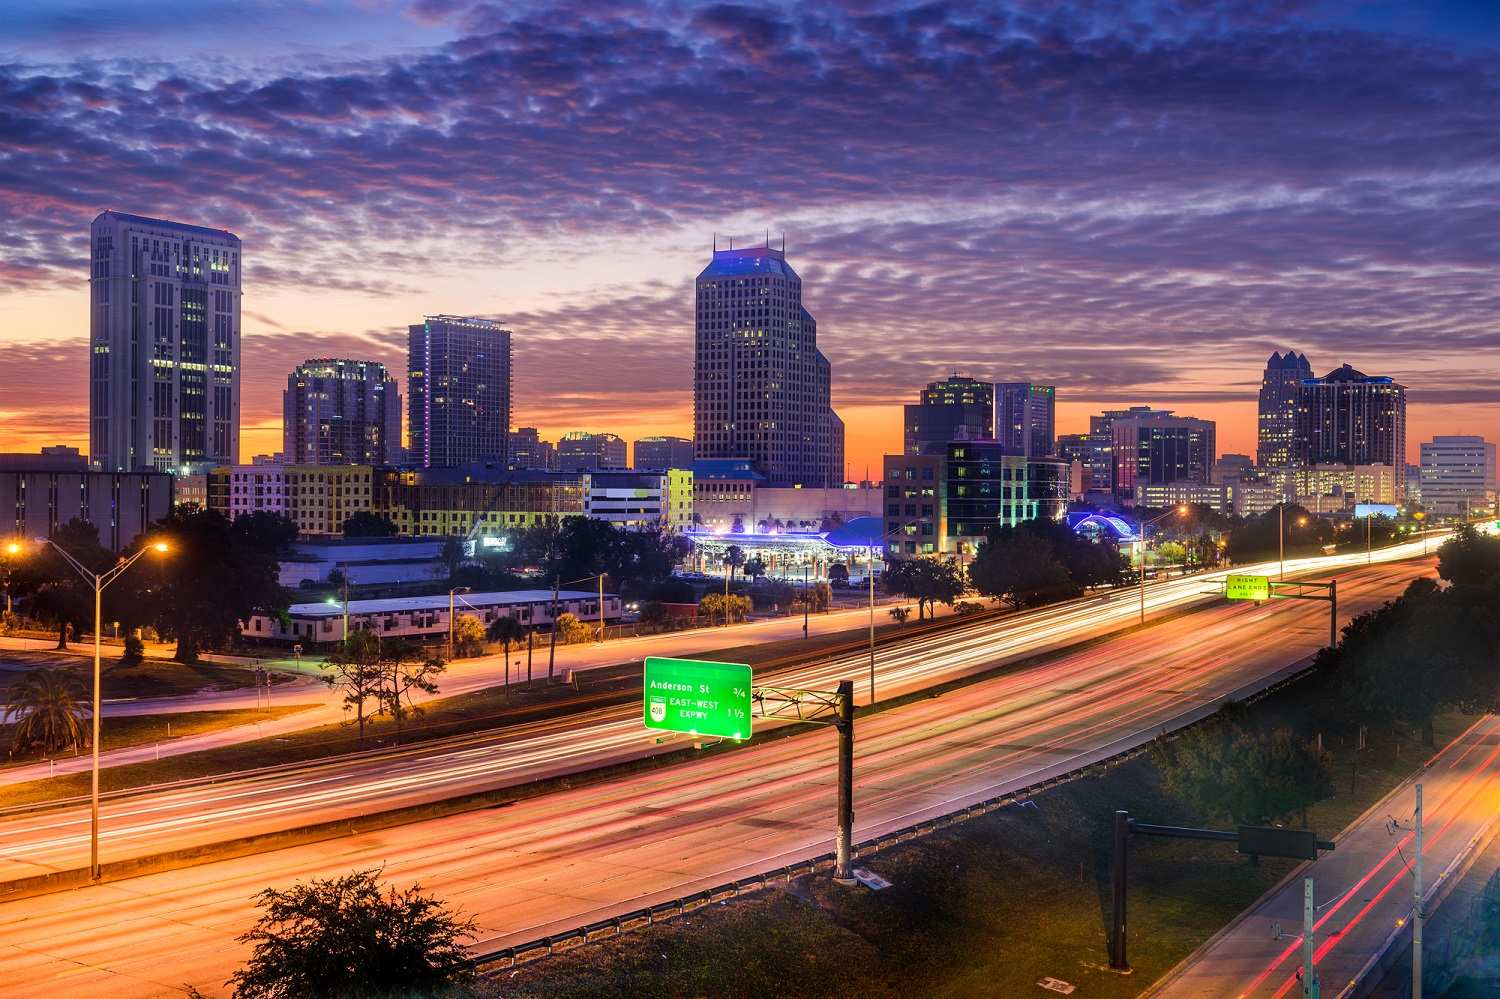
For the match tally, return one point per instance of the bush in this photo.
(135, 651)
(346, 937)
(715, 606)
(573, 631)
(468, 635)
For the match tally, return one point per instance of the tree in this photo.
(838, 572)
(1223, 769)
(407, 669)
(1469, 557)
(654, 614)
(263, 531)
(135, 651)
(900, 614)
(755, 568)
(346, 936)
(1258, 538)
(1018, 567)
(366, 524)
(507, 631)
(56, 593)
(468, 635)
(928, 581)
(734, 557)
(47, 707)
(731, 608)
(452, 555)
(571, 630)
(216, 578)
(355, 666)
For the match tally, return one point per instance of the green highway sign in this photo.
(697, 697)
(1247, 587)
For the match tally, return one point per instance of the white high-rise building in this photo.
(1458, 475)
(164, 345)
(761, 387)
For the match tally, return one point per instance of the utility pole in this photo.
(1118, 959)
(1416, 907)
(601, 608)
(1333, 613)
(844, 845)
(530, 641)
(1369, 554)
(728, 568)
(552, 648)
(1310, 987)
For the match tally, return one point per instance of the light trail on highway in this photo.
(52, 840)
(542, 864)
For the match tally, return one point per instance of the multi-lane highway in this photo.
(1362, 890)
(56, 839)
(553, 861)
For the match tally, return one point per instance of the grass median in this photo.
(991, 906)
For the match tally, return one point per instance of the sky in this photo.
(1137, 202)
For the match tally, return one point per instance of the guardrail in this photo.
(512, 956)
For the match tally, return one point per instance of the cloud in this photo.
(1111, 201)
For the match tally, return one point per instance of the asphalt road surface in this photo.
(552, 862)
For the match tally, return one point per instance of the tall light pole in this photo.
(99, 580)
(1177, 511)
(12, 549)
(1281, 534)
(451, 594)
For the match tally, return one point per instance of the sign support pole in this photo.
(1309, 976)
(1118, 960)
(844, 722)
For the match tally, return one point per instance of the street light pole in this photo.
(1281, 535)
(1179, 510)
(451, 593)
(805, 600)
(98, 581)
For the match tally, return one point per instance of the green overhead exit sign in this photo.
(1247, 587)
(697, 697)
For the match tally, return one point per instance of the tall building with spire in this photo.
(164, 345)
(1276, 429)
(761, 387)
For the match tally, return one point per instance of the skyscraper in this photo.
(662, 452)
(1350, 418)
(1026, 418)
(956, 408)
(340, 412)
(581, 451)
(761, 387)
(529, 451)
(1457, 475)
(164, 344)
(458, 376)
(1155, 447)
(1277, 425)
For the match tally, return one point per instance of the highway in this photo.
(550, 862)
(57, 839)
(1362, 890)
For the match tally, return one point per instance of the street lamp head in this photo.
(12, 549)
(330, 600)
(161, 548)
(1301, 521)
(1182, 509)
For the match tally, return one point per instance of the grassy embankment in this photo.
(988, 907)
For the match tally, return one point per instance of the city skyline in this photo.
(1220, 250)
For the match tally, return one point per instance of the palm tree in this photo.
(506, 631)
(48, 709)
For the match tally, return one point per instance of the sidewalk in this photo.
(1362, 890)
